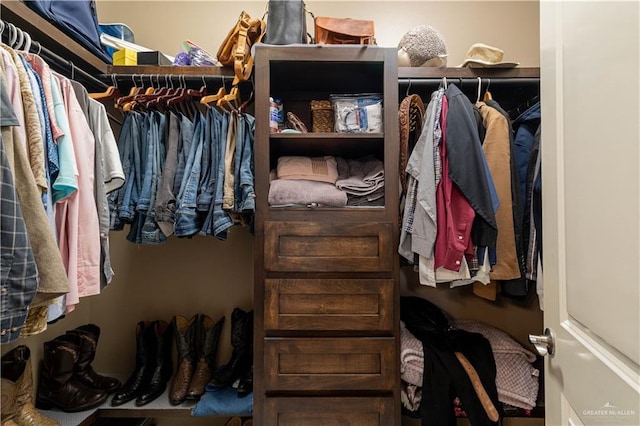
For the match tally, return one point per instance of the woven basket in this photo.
(321, 117)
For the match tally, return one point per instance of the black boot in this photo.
(207, 344)
(89, 335)
(185, 331)
(59, 386)
(131, 389)
(161, 369)
(245, 385)
(242, 355)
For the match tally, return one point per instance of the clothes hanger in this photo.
(487, 93)
(121, 101)
(479, 89)
(110, 92)
(229, 102)
(222, 91)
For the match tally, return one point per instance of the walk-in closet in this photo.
(350, 236)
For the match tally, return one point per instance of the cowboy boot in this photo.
(89, 334)
(185, 332)
(8, 406)
(242, 355)
(245, 385)
(132, 388)
(160, 360)
(59, 386)
(208, 338)
(16, 368)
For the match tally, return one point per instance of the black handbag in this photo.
(286, 22)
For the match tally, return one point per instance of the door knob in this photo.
(544, 344)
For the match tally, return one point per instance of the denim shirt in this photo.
(245, 197)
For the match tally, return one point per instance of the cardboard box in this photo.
(125, 57)
(153, 58)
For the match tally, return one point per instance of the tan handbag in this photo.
(235, 50)
(343, 31)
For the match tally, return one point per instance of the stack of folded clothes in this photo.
(327, 181)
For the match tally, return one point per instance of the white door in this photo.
(590, 92)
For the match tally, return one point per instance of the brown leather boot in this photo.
(59, 386)
(207, 344)
(16, 369)
(8, 405)
(89, 335)
(185, 332)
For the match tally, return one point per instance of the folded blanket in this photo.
(362, 176)
(516, 379)
(283, 192)
(321, 169)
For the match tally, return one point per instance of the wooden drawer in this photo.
(328, 247)
(348, 411)
(309, 364)
(328, 304)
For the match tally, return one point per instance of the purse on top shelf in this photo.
(343, 31)
(235, 50)
(286, 22)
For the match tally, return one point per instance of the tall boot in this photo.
(132, 388)
(161, 363)
(242, 355)
(208, 338)
(185, 332)
(8, 407)
(245, 384)
(17, 370)
(59, 386)
(89, 335)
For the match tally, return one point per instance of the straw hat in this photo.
(483, 56)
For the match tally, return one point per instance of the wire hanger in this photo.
(479, 89)
(408, 88)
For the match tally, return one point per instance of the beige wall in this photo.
(511, 25)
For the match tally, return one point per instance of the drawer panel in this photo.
(329, 304)
(328, 247)
(348, 411)
(308, 364)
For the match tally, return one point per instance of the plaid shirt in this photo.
(18, 272)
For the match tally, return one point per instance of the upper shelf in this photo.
(49, 36)
(433, 72)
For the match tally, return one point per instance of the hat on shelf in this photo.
(481, 55)
(422, 46)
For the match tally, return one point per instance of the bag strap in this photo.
(243, 61)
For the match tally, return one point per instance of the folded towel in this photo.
(364, 176)
(284, 192)
(321, 169)
(375, 199)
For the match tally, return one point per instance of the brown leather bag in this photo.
(235, 50)
(343, 31)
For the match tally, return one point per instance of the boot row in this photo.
(67, 378)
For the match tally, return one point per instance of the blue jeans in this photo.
(218, 221)
(150, 233)
(208, 175)
(184, 147)
(186, 221)
(128, 144)
(245, 197)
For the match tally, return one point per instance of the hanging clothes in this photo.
(52, 157)
(186, 174)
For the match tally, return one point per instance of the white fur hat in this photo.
(422, 46)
